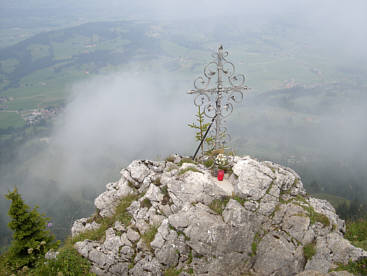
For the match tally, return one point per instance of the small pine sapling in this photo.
(202, 128)
(31, 240)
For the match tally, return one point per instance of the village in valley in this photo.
(31, 116)
(35, 116)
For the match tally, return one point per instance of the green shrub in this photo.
(357, 233)
(357, 268)
(31, 240)
(4, 264)
(209, 163)
(360, 244)
(218, 205)
(68, 262)
(309, 251)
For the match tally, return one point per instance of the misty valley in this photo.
(82, 98)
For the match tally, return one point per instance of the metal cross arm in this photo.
(198, 91)
(217, 101)
(215, 90)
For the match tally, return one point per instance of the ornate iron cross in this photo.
(218, 101)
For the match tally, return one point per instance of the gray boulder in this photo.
(257, 221)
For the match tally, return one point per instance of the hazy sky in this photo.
(341, 25)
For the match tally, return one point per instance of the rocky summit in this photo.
(174, 217)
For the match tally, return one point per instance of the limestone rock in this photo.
(82, 225)
(257, 221)
(107, 201)
(277, 254)
(51, 254)
(132, 235)
(254, 178)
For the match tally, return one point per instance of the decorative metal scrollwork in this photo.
(210, 110)
(235, 96)
(227, 110)
(202, 100)
(218, 100)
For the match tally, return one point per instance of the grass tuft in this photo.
(309, 251)
(68, 262)
(145, 203)
(172, 272)
(240, 200)
(190, 271)
(121, 215)
(321, 218)
(270, 187)
(186, 160)
(276, 209)
(301, 199)
(357, 233)
(131, 185)
(157, 181)
(218, 205)
(166, 196)
(254, 244)
(189, 260)
(358, 267)
(181, 172)
(148, 236)
(314, 216)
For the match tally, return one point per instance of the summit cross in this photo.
(217, 101)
